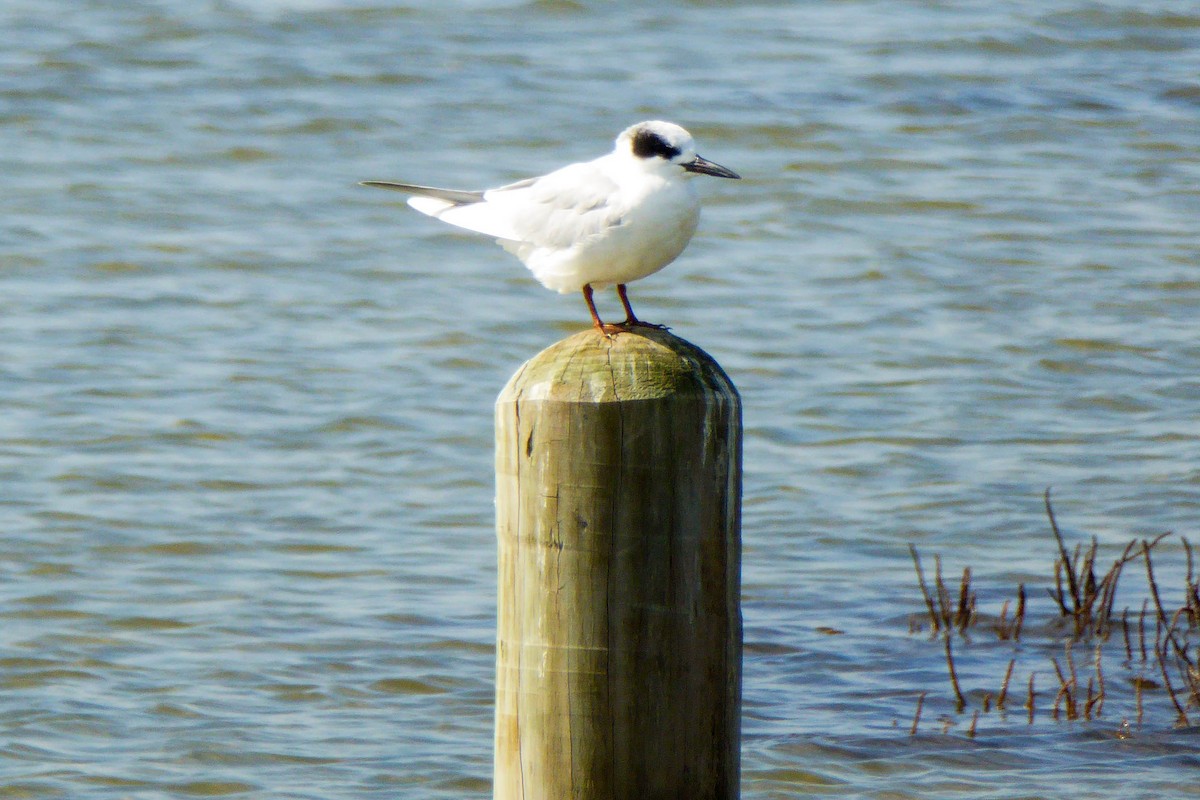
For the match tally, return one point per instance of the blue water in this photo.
(246, 405)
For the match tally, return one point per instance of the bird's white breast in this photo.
(626, 227)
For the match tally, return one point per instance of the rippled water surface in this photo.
(246, 405)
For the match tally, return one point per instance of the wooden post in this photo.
(618, 506)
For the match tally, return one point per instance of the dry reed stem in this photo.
(1066, 689)
(945, 613)
(1162, 615)
(917, 716)
(943, 594)
(1068, 567)
(1193, 592)
(1142, 628)
(1189, 670)
(1010, 630)
(1187, 548)
(1057, 594)
(1004, 686)
(1161, 633)
(1125, 631)
(1090, 603)
(1104, 624)
(933, 618)
(1165, 633)
(1002, 628)
(1020, 616)
(1180, 649)
(961, 701)
(966, 601)
(1183, 717)
(1073, 691)
(1071, 664)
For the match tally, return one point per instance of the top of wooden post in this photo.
(639, 364)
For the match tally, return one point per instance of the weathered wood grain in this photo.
(618, 500)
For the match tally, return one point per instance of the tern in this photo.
(590, 225)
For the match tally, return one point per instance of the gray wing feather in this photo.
(456, 196)
(556, 211)
(562, 209)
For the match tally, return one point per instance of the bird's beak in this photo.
(706, 167)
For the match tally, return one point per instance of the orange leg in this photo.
(630, 319)
(587, 295)
(606, 329)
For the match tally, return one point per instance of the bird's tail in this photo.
(465, 209)
(457, 197)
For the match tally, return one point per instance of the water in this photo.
(245, 405)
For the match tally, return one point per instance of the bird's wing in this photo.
(560, 209)
(453, 196)
(463, 208)
(557, 210)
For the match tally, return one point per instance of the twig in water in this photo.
(1066, 688)
(1029, 704)
(966, 602)
(1068, 567)
(1007, 629)
(1180, 649)
(1146, 545)
(1142, 628)
(1020, 616)
(1062, 690)
(1183, 717)
(933, 617)
(1189, 670)
(1125, 630)
(1193, 591)
(962, 701)
(1091, 601)
(917, 716)
(1071, 666)
(943, 594)
(944, 613)
(1162, 634)
(1107, 595)
(1004, 686)
(1003, 628)
(1187, 548)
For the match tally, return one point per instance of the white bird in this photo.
(586, 226)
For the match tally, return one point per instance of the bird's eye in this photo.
(647, 144)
